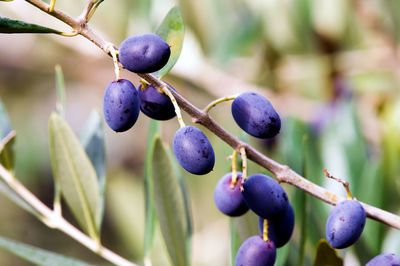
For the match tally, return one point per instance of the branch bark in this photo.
(281, 172)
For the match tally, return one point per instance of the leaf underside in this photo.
(38, 256)
(75, 174)
(169, 205)
(172, 31)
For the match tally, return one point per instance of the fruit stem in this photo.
(220, 100)
(72, 34)
(52, 5)
(110, 48)
(344, 183)
(234, 170)
(165, 90)
(265, 230)
(244, 166)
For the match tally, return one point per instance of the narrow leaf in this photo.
(16, 26)
(172, 31)
(7, 156)
(60, 88)
(150, 218)
(38, 256)
(188, 219)
(75, 173)
(10, 194)
(92, 139)
(169, 205)
(326, 255)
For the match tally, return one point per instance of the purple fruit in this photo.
(193, 150)
(121, 105)
(280, 230)
(256, 115)
(227, 199)
(154, 104)
(144, 53)
(256, 252)
(386, 259)
(345, 224)
(264, 196)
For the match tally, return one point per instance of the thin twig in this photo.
(85, 16)
(344, 183)
(165, 90)
(281, 172)
(220, 100)
(53, 220)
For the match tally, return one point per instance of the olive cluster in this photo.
(234, 194)
(265, 197)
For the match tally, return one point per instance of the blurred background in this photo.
(330, 68)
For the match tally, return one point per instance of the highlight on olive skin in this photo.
(121, 105)
(144, 53)
(193, 150)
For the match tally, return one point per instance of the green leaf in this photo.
(188, 220)
(16, 26)
(169, 205)
(60, 88)
(38, 256)
(172, 31)
(10, 194)
(75, 174)
(92, 139)
(7, 156)
(326, 255)
(150, 219)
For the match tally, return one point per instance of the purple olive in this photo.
(256, 252)
(227, 199)
(345, 224)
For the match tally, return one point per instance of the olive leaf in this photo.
(16, 26)
(172, 31)
(75, 173)
(154, 130)
(326, 255)
(38, 256)
(92, 139)
(169, 205)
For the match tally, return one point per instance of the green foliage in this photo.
(7, 155)
(38, 256)
(16, 26)
(326, 255)
(92, 139)
(76, 175)
(172, 31)
(169, 205)
(60, 89)
(154, 132)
